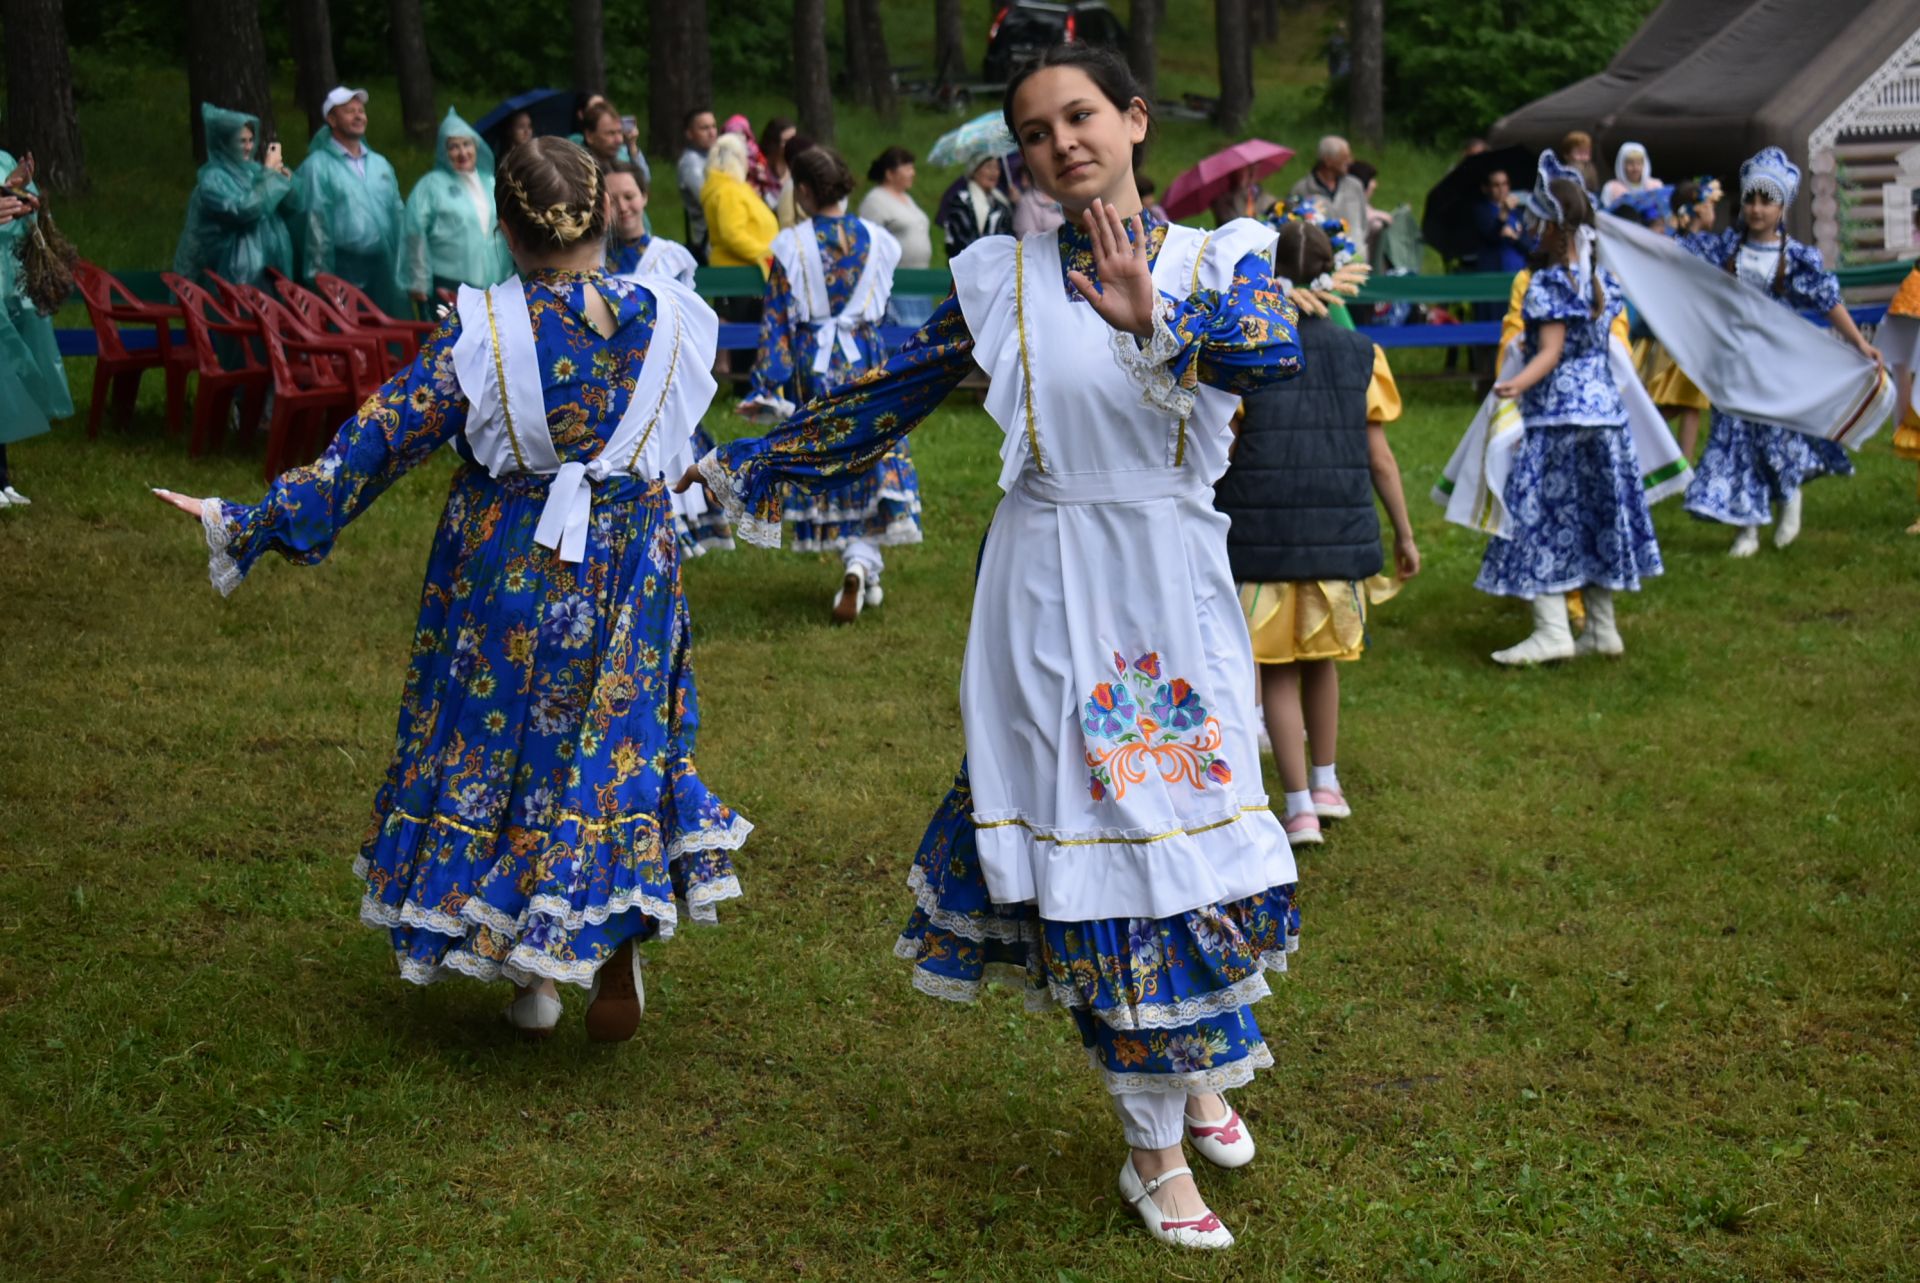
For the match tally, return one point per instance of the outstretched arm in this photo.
(839, 436)
(412, 415)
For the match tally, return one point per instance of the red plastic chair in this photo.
(363, 312)
(314, 383)
(324, 320)
(118, 367)
(206, 318)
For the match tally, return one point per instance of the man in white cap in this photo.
(351, 220)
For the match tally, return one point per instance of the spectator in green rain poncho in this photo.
(234, 217)
(33, 382)
(453, 237)
(351, 219)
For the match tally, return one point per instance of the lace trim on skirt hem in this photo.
(1011, 930)
(1225, 1078)
(1170, 1015)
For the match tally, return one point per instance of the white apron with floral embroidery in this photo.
(1108, 676)
(498, 369)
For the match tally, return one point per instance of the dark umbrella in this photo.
(1447, 222)
(551, 110)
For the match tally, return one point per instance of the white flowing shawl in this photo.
(1753, 358)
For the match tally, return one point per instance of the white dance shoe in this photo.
(1602, 635)
(874, 595)
(1551, 639)
(17, 500)
(618, 997)
(1746, 543)
(534, 1013)
(1224, 1142)
(852, 595)
(1205, 1231)
(1783, 534)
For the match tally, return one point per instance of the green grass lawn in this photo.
(1612, 977)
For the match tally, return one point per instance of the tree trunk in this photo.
(853, 53)
(1263, 20)
(670, 87)
(949, 43)
(875, 59)
(413, 68)
(227, 66)
(1366, 93)
(812, 91)
(1143, 29)
(310, 33)
(699, 50)
(1236, 65)
(589, 46)
(40, 117)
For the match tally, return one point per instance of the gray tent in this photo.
(1706, 83)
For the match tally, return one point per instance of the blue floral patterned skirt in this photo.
(1580, 516)
(1162, 1004)
(543, 806)
(881, 505)
(1748, 467)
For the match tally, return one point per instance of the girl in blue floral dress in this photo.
(542, 812)
(827, 292)
(1107, 847)
(1748, 467)
(1579, 514)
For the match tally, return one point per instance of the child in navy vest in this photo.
(1305, 541)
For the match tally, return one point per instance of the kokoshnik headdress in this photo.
(1541, 202)
(1770, 171)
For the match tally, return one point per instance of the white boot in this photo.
(15, 498)
(1747, 543)
(852, 594)
(1789, 528)
(1601, 636)
(1551, 638)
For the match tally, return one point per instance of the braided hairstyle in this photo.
(1304, 253)
(1732, 265)
(824, 173)
(547, 192)
(1576, 212)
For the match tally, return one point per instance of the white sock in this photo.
(1323, 777)
(1298, 802)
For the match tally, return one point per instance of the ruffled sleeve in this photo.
(1240, 339)
(842, 434)
(1383, 394)
(1551, 297)
(413, 414)
(1809, 284)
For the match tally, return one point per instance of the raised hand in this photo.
(1126, 298)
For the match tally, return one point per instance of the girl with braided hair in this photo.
(827, 292)
(1579, 515)
(542, 813)
(1748, 467)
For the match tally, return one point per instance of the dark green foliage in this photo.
(1456, 66)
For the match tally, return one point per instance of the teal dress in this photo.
(235, 223)
(449, 241)
(33, 382)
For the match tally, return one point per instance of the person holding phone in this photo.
(33, 382)
(234, 225)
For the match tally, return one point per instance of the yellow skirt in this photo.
(1317, 619)
(1906, 437)
(1666, 382)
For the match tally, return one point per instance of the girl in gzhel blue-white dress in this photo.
(1748, 467)
(542, 813)
(1579, 514)
(1107, 846)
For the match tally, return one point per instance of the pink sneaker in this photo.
(1303, 829)
(1331, 804)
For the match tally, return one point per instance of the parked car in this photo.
(1027, 28)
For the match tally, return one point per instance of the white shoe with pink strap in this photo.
(1204, 1231)
(1224, 1142)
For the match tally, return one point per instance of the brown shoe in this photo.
(852, 595)
(617, 998)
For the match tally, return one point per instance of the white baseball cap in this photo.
(340, 94)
